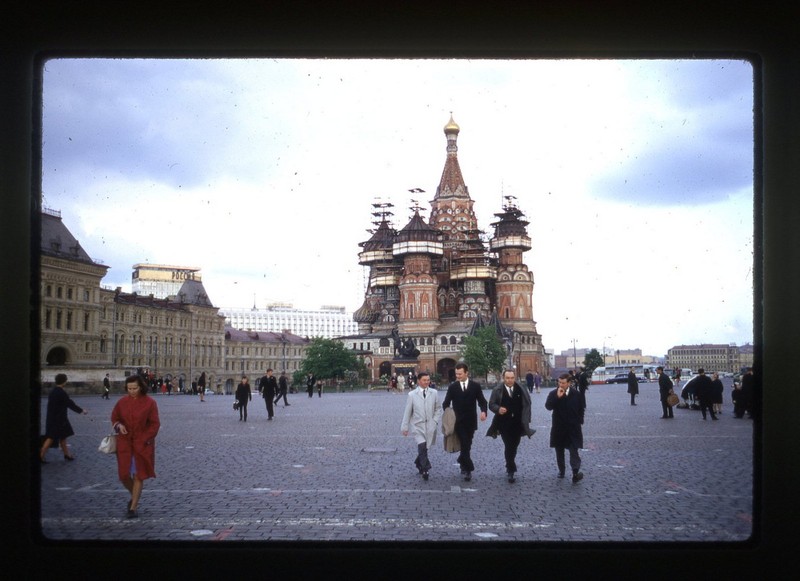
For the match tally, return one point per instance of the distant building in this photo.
(87, 331)
(327, 321)
(161, 280)
(711, 357)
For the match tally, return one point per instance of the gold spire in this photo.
(452, 126)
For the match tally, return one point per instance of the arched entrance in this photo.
(385, 369)
(446, 369)
(57, 356)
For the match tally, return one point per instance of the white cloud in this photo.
(636, 177)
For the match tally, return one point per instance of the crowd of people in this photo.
(135, 420)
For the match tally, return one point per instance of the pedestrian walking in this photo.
(704, 391)
(537, 381)
(135, 421)
(719, 389)
(511, 406)
(422, 416)
(664, 389)
(57, 427)
(243, 396)
(465, 394)
(745, 398)
(283, 388)
(268, 386)
(566, 432)
(106, 386)
(310, 381)
(201, 386)
(529, 381)
(633, 385)
(583, 384)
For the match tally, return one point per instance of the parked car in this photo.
(623, 378)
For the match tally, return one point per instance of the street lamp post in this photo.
(574, 353)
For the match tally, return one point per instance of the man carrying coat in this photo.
(566, 433)
(464, 394)
(511, 406)
(422, 415)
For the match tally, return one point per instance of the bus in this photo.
(642, 371)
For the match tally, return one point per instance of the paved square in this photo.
(337, 468)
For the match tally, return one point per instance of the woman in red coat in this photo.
(135, 420)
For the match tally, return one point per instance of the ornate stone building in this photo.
(434, 283)
(87, 331)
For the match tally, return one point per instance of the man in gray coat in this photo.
(422, 415)
(511, 406)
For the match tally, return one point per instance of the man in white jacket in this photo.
(422, 415)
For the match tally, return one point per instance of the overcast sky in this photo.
(636, 177)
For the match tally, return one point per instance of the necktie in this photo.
(424, 393)
(463, 386)
(510, 391)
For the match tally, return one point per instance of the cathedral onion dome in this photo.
(364, 314)
(379, 247)
(452, 126)
(510, 231)
(418, 238)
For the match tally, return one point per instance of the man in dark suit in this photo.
(464, 394)
(511, 406)
(704, 390)
(566, 433)
(664, 389)
(268, 386)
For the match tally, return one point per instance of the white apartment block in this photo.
(328, 322)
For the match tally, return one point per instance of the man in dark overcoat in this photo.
(511, 406)
(566, 432)
(465, 394)
(704, 391)
(268, 386)
(664, 389)
(633, 386)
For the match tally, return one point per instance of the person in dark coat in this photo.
(633, 385)
(310, 381)
(243, 395)
(664, 389)
(283, 388)
(57, 427)
(268, 386)
(511, 405)
(704, 391)
(106, 386)
(717, 393)
(566, 433)
(465, 394)
(744, 399)
(583, 384)
(201, 386)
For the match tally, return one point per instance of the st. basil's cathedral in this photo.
(433, 284)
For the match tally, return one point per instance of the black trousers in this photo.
(574, 458)
(243, 410)
(511, 440)
(465, 437)
(270, 410)
(666, 411)
(422, 462)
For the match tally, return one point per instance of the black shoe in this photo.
(425, 475)
(132, 514)
(577, 477)
(714, 418)
(467, 476)
(511, 478)
(69, 458)
(287, 405)
(561, 475)
(664, 417)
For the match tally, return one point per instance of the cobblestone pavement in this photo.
(337, 468)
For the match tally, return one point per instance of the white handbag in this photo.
(108, 445)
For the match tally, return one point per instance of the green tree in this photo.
(484, 352)
(592, 361)
(329, 359)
